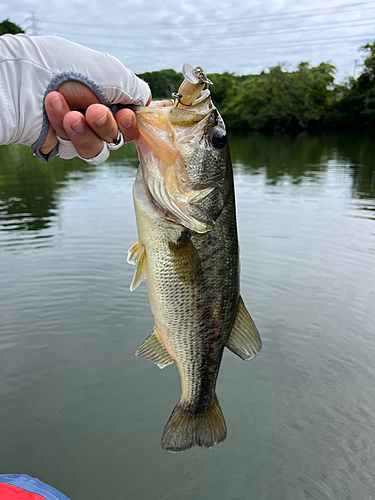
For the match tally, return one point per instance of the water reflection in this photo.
(303, 155)
(358, 151)
(29, 199)
(280, 155)
(78, 405)
(29, 190)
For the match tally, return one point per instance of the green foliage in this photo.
(282, 100)
(278, 99)
(354, 105)
(225, 87)
(162, 83)
(369, 64)
(9, 27)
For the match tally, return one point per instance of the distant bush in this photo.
(281, 100)
(9, 27)
(162, 83)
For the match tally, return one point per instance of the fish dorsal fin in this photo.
(185, 260)
(244, 339)
(153, 350)
(133, 253)
(137, 256)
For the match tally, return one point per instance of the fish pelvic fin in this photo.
(244, 339)
(137, 255)
(186, 428)
(153, 350)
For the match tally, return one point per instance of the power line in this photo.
(316, 41)
(122, 54)
(269, 17)
(259, 33)
(257, 48)
(302, 29)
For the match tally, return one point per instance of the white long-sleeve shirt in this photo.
(30, 67)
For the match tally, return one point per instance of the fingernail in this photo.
(127, 121)
(56, 104)
(78, 126)
(101, 121)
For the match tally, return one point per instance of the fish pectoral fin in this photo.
(139, 269)
(153, 350)
(244, 339)
(133, 253)
(185, 260)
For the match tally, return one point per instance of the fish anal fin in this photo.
(133, 253)
(187, 427)
(185, 260)
(153, 350)
(244, 339)
(140, 269)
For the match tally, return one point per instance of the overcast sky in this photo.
(237, 36)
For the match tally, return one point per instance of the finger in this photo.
(86, 142)
(56, 108)
(49, 142)
(100, 119)
(127, 124)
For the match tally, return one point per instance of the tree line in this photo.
(282, 100)
(277, 99)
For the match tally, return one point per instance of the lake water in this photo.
(82, 413)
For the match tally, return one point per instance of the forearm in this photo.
(23, 75)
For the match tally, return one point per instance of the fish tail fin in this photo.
(186, 427)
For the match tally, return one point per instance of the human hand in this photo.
(85, 132)
(47, 81)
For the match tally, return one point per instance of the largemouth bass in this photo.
(187, 250)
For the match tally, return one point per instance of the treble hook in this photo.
(177, 98)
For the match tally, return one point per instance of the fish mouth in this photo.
(164, 127)
(205, 94)
(177, 115)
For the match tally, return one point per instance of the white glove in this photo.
(31, 67)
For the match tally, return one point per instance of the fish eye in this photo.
(218, 138)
